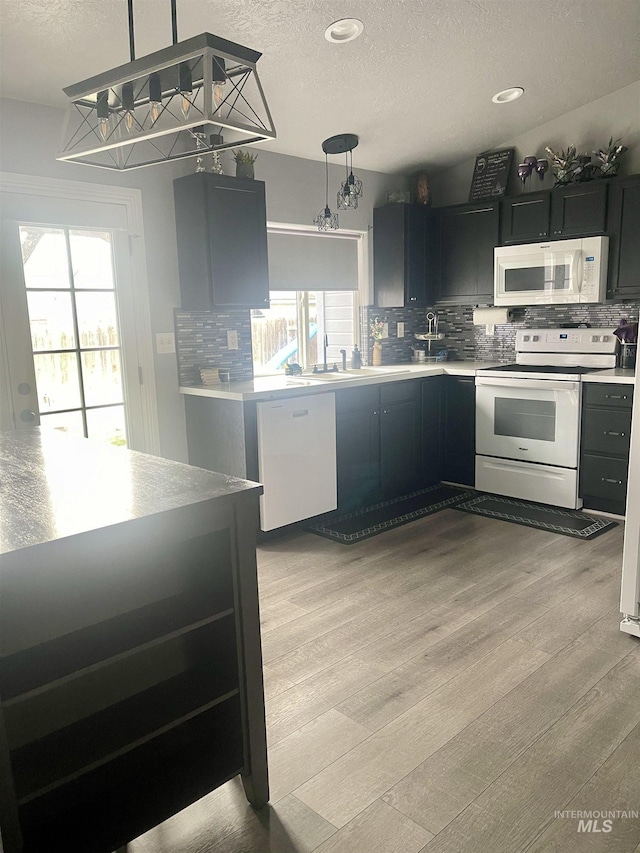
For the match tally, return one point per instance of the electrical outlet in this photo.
(385, 330)
(165, 342)
(232, 339)
(400, 330)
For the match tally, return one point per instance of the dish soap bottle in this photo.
(356, 359)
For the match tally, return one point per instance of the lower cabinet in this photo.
(377, 442)
(459, 430)
(431, 401)
(604, 452)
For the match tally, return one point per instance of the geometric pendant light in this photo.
(350, 189)
(198, 95)
(326, 220)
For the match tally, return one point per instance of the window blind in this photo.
(312, 262)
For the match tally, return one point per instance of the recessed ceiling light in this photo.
(346, 29)
(508, 95)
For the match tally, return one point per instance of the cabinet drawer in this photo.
(399, 392)
(600, 394)
(353, 399)
(606, 431)
(604, 478)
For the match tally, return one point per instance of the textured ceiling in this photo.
(416, 86)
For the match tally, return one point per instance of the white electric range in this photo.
(528, 414)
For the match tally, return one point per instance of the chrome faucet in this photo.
(343, 353)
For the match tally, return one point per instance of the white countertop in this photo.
(271, 387)
(616, 375)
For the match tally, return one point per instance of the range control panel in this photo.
(566, 340)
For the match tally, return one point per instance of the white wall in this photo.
(29, 139)
(588, 127)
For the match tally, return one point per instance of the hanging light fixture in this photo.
(144, 112)
(326, 220)
(351, 188)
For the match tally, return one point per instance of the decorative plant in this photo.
(241, 156)
(377, 328)
(564, 164)
(608, 157)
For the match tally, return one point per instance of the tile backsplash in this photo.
(464, 340)
(201, 341)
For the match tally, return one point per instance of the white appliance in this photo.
(528, 414)
(630, 593)
(296, 458)
(552, 273)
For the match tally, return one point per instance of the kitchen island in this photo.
(130, 660)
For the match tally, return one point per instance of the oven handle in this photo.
(530, 384)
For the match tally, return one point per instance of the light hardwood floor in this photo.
(445, 687)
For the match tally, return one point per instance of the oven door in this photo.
(538, 275)
(535, 420)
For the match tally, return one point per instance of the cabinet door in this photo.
(459, 437)
(526, 217)
(358, 457)
(468, 236)
(431, 430)
(624, 227)
(237, 230)
(222, 242)
(403, 254)
(580, 210)
(400, 448)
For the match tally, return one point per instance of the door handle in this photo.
(615, 396)
(620, 434)
(610, 480)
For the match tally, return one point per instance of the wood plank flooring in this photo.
(456, 685)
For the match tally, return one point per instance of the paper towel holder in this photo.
(492, 317)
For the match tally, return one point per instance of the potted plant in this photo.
(564, 164)
(244, 163)
(608, 158)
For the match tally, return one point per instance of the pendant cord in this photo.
(346, 167)
(174, 22)
(132, 45)
(326, 180)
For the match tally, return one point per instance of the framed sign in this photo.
(490, 174)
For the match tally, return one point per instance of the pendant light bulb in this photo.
(219, 81)
(155, 96)
(103, 113)
(128, 105)
(186, 88)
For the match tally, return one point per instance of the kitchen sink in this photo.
(362, 373)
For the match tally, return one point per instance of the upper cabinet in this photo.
(468, 236)
(404, 255)
(624, 227)
(526, 218)
(222, 242)
(579, 210)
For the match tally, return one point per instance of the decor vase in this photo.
(244, 170)
(377, 354)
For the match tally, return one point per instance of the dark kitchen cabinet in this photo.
(579, 210)
(604, 446)
(525, 218)
(377, 442)
(468, 235)
(431, 430)
(222, 242)
(624, 227)
(459, 430)
(404, 255)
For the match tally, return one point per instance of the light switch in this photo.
(165, 342)
(400, 330)
(232, 339)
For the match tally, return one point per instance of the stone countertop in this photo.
(616, 375)
(280, 387)
(53, 486)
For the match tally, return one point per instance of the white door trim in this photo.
(131, 199)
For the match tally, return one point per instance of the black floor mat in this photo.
(568, 522)
(352, 527)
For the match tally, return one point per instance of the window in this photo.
(75, 334)
(315, 280)
(293, 329)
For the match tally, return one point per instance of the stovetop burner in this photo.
(545, 368)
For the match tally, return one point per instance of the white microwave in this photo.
(552, 273)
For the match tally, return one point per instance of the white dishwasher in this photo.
(297, 458)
